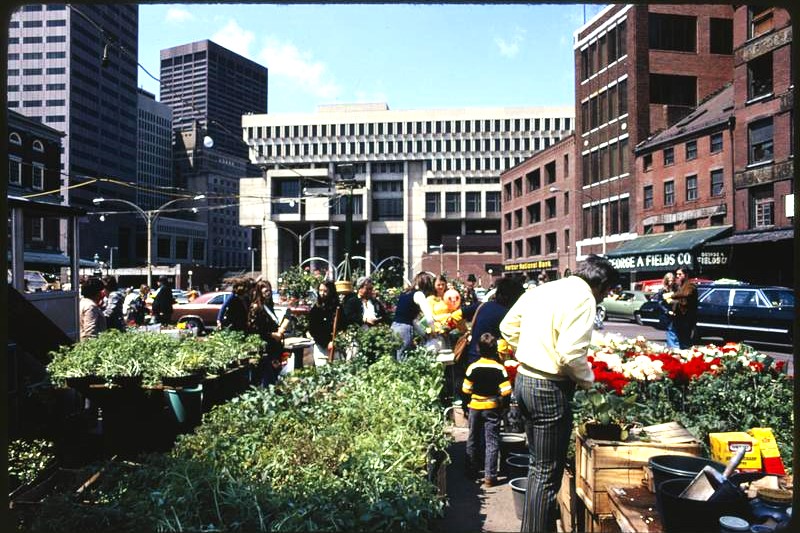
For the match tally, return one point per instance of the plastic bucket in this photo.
(517, 465)
(666, 467)
(519, 489)
(680, 515)
(511, 443)
(186, 405)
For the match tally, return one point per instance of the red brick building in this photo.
(537, 213)
(638, 69)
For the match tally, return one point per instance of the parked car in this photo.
(654, 285)
(742, 312)
(626, 306)
(201, 313)
(180, 296)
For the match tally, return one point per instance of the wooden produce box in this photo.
(634, 510)
(599, 523)
(601, 464)
(567, 500)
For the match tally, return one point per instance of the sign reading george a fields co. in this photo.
(655, 261)
(542, 264)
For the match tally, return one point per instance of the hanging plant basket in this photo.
(344, 286)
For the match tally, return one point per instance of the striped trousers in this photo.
(545, 409)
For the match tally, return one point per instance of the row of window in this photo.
(411, 128)
(15, 173)
(606, 162)
(715, 145)
(452, 202)
(38, 87)
(533, 179)
(37, 39)
(37, 55)
(533, 213)
(54, 23)
(608, 218)
(678, 33)
(37, 71)
(691, 190)
(608, 47)
(533, 246)
(609, 104)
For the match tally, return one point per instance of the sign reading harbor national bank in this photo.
(653, 261)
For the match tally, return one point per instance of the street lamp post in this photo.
(111, 255)
(149, 217)
(190, 278)
(252, 258)
(458, 256)
(301, 238)
(440, 247)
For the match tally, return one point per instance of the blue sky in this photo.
(411, 56)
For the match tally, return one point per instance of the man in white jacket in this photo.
(550, 328)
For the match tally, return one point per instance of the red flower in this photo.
(779, 366)
(756, 366)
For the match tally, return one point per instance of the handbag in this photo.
(463, 341)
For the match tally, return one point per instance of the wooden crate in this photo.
(601, 464)
(599, 523)
(566, 499)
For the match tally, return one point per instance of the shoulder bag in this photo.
(462, 344)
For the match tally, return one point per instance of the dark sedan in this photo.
(739, 312)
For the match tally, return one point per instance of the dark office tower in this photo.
(209, 89)
(73, 67)
(205, 82)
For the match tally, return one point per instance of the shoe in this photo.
(489, 481)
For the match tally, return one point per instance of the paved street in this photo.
(779, 352)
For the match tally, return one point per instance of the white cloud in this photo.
(177, 14)
(235, 38)
(283, 59)
(510, 47)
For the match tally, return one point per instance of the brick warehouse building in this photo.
(638, 69)
(537, 215)
(763, 179)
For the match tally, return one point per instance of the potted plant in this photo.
(603, 414)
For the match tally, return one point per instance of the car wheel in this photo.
(637, 317)
(601, 313)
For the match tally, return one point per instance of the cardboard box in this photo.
(770, 454)
(725, 445)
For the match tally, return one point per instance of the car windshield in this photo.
(780, 297)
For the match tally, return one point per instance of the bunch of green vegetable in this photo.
(27, 460)
(340, 448)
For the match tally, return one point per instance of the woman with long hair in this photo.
(322, 319)
(410, 305)
(263, 321)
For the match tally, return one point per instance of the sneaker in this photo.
(489, 481)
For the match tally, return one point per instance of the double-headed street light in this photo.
(301, 238)
(149, 217)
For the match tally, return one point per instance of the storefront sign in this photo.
(665, 261)
(712, 258)
(543, 264)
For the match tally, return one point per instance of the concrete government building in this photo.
(419, 181)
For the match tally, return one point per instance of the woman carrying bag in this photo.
(322, 322)
(262, 320)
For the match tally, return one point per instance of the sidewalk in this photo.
(472, 508)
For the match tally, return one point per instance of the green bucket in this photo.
(186, 405)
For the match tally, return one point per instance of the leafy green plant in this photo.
(27, 459)
(368, 344)
(296, 282)
(603, 407)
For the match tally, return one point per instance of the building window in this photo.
(691, 188)
(518, 218)
(762, 207)
(518, 248)
(669, 156)
(534, 180)
(672, 32)
(14, 138)
(507, 220)
(670, 89)
(669, 193)
(492, 202)
(550, 172)
(759, 76)
(452, 202)
(721, 36)
(551, 243)
(473, 202)
(38, 146)
(432, 206)
(550, 207)
(534, 245)
(534, 213)
(37, 228)
(647, 162)
(691, 150)
(759, 141)
(760, 21)
(647, 194)
(518, 187)
(507, 192)
(37, 181)
(507, 251)
(716, 182)
(14, 171)
(716, 142)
